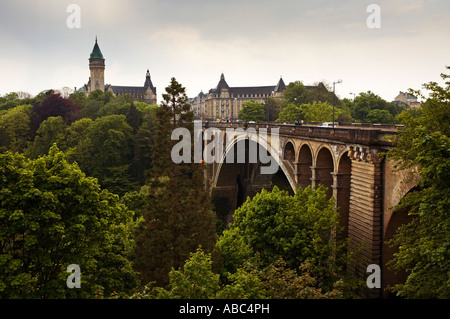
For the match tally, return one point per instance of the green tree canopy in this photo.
(106, 152)
(197, 280)
(296, 228)
(252, 111)
(176, 99)
(368, 101)
(52, 216)
(291, 113)
(273, 107)
(320, 112)
(296, 93)
(380, 116)
(310, 112)
(15, 129)
(423, 243)
(53, 106)
(52, 130)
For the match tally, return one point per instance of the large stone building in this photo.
(146, 93)
(408, 100)
(224, 102)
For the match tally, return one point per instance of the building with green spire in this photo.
(97, 68)
(146, 93)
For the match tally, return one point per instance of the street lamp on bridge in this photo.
(334, 97)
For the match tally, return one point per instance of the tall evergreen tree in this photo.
(178, 217)
(177, 100)
(143, 145)
(133, 117)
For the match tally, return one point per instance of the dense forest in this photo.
(88, 180)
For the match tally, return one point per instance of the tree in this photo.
(14, 99)
(297, 228)
(252, 111)
(273, 107)
(118, 105)
(320, 112)
(366, 102)
(143, 142)
(178, 216)
(423, 243)
(291, 113)
(53, 215)
(321, 92)
(344, 118)
(296, 93)
(380, 116)
(77, 132)
(15, 128)
(106, 97)
(197, 280)
(315, 112)
(65, 91)
(52, 130)
(91, 108)
(106, 153)
(79, 99)
(176, 99)
(53, 106)
(133, 117)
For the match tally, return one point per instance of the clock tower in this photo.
(97, 68)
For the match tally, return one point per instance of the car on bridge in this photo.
(327, 124)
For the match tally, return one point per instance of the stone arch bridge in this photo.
(345, 159)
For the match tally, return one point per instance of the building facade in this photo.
(410, 101)
(146, 93)
(224, 102)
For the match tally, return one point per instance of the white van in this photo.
(327, 124)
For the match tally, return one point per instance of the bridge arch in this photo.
(391, 277)
(304, 165)
(342, 186)
(289, 151)
(324, 168)
(275, 152)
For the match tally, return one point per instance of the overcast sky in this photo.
(252, 42)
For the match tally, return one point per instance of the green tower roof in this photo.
(96, 53)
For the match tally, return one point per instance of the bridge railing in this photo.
(355, 132)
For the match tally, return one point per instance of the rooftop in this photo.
(96, 53)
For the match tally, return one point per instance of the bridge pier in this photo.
(231, 194)
(341, 193)
(323, 176)
(365, 217)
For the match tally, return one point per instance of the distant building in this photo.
(146, 93)
(410, 101)
(225, 102)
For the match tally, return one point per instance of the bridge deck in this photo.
(367, 134)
